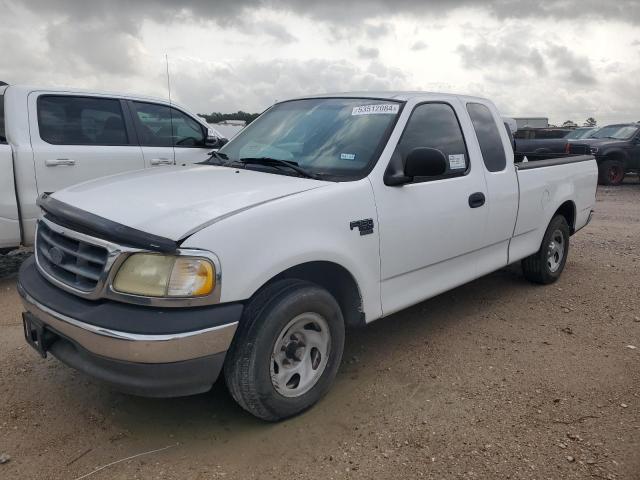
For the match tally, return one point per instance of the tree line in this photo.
(217, 117)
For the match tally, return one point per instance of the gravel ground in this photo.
(496, 379)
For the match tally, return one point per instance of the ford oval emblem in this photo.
(56, 255)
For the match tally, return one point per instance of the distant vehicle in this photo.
(327, 212)
(51, 138)
(582, 132)
(540, 143)
(616, 148)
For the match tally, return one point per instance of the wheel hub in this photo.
(555, 251)
(300, 354)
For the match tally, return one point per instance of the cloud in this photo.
(368, 52)
(274, 30)
(575, 68)
(378, 30)
(336, 11)
(419, 45)
(504, 53)
(205, 86)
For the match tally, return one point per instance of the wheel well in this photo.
(337, 280)
(615, 155)
(568, 211)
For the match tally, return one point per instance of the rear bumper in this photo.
(170, 363)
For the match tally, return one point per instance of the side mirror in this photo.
(215, 142)
(425, 162)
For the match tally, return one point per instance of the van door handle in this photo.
(54, 162)
(160, 161)
(476, 199)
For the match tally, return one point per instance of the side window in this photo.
(435, 125)
(3, 135)
(154, 124)
(161, 126)
(488, 136)
(186, 131)
(68, 120)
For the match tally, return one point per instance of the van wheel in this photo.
(611, 172)
(546, 265)
(287, 350)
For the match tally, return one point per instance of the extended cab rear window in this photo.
(74, 120)
(3, 135)
(488, 137)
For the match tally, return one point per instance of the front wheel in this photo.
(546, 265)
(287, 350)
(611, 172)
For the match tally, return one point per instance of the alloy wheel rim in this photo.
(300, 354)
(615, 172)
(555, 251)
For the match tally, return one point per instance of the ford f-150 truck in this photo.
(51, 138)
(325, 212)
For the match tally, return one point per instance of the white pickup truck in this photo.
(325, 212)
(51, 138)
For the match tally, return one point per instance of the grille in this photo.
(74, 262)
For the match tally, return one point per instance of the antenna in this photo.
(166, 60)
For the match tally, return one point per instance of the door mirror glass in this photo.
(425, 162)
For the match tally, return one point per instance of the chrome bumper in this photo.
(133, 347)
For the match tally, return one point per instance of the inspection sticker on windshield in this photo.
(381, 108)
(457, 161)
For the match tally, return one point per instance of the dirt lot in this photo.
(496, 379)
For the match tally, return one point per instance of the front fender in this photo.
(256, 245)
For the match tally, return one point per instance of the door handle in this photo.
(476, 199)
(160, 161)
(51, 162)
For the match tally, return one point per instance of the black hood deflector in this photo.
(81, 221)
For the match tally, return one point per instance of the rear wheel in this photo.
(611, 172)
(287, 350)
(546, 265)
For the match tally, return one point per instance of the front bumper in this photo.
(151, 362)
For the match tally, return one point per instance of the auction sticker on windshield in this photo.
(381, 108)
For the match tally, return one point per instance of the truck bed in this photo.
(544, 185)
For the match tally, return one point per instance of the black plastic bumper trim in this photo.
(144, 379)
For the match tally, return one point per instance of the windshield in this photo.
(580, 133)
(337, 138)
(616, 131)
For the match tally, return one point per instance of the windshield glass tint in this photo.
(334, 137)
(616, 131)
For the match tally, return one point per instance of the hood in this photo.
(599, 142)
(175, 202)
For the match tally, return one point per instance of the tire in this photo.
(611, 172)
(546, 265)
(274, 342)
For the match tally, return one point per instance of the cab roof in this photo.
(398, 95)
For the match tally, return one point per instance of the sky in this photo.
(562, 59)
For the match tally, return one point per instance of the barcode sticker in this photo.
(381, 108)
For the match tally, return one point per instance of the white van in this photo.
(51, 138)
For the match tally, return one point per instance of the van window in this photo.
(435, 125)
(3, 135)
(488, 137)
(157, 122)
(71, 120)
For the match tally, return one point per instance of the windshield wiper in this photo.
(276, 162)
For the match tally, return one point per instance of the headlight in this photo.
(156, 275)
